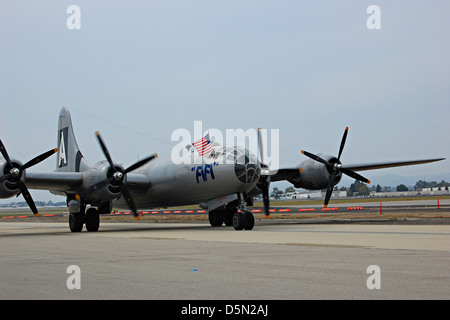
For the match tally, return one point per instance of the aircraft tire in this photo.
(249, 221)
(228, 219)
(92, 220)
(76, 221)
(238, 221)
(215, 218)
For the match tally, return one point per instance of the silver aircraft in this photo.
(224, 181)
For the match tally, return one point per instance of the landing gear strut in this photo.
(243, 219)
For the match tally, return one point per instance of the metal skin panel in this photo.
(313, 175)
(69, 157)
(183, 184)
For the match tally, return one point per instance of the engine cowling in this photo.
(9, 188)
(102, 172)
(315, 175)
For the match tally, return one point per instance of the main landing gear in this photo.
(91, 219)
(78, 218)
(239, 220)
(234, 214)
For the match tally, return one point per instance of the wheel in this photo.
(228, 215)
(238, 221)
(76, 221)
(92, 219)
(215, 218)
(228, 219)
(249, 221)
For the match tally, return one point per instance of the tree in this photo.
(359, 187)
(430, 184)
(402, 187)
(379, 189)
(289, 189)
(364, 190)
(277, 192)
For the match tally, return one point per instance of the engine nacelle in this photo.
(9, 188)
(315, 175)
(100, 172)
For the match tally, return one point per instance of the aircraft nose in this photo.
(247, 169)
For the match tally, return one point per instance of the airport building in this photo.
(304, 195)
(437, 191)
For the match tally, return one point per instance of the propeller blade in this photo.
(264, 181)
(354, 175)
(129, 200)
(38, 159)
(5, 154)
(330, 187)
(104, 149)
(265, 192)
(17, 171)
(118, 177)
(343, 143)
(140, 163)
(317, 158)
(27, 196)
(336, 168)
(260, 146)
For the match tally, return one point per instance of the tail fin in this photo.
(69, 157)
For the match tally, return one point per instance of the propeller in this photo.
(336, 168)
(117, 177)
(264, 180)
(15, 173)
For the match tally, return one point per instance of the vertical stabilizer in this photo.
(69, 157)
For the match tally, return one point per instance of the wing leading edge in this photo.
(382, 165)
(289, 173)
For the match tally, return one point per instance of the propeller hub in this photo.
(15, 172)
(118, 176)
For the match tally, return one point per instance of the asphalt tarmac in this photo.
(276, 260)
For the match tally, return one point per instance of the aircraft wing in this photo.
(283, 174)
(68, 182)
(381, 165)
(55, 181)
(289, 173)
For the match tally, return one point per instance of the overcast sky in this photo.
(138, 70)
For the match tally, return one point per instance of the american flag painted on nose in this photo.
(203, 145)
